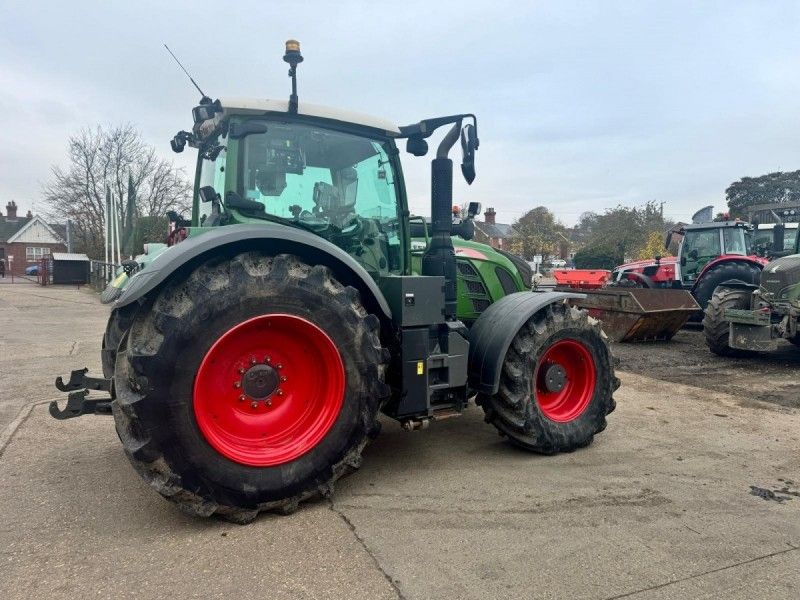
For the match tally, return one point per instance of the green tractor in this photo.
(247, 364)
(742, 317)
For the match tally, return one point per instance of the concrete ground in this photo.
(689, 493)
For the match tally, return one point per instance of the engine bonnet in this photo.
(780, 274)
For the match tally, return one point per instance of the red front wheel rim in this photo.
(564, 380)
(269, 390)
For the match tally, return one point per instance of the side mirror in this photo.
(416, 146)
(203, 112)
(473, 210)
(469, 144)
(208, 194)
(465, 229)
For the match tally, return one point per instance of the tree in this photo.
(538, 232)
(653, 247)
(778, 187)
(118, 159)
(624, 231)
(596, 257)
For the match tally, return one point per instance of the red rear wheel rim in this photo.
(564, 380)
(269, 390)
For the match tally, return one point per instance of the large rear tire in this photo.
(719, 274)
(119, 321)
(715, 328)
(557, 383)
(251, 385)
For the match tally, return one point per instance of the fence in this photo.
(101, 274)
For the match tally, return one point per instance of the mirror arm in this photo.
(449, 140)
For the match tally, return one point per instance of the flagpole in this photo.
(116, 229)
(106, 230)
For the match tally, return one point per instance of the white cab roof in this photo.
(258, 106)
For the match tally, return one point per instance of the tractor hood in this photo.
(780, 279)
(640, 264)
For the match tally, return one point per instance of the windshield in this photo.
(316, 175)
(737, 240)
(338, 185)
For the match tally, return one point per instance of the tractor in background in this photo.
(743, 317)
(708, 254)
(652, 299)
(248, 362)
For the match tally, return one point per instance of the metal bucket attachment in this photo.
(639, 314)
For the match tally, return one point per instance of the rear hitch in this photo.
(79, 386)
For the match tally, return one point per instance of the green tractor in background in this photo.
(247, 363)
(743, 317)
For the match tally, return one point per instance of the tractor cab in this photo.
(333, 174)
(706, 242)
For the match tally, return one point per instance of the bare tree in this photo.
(114, 158)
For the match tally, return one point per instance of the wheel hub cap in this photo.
(260, 382)
(555, 378)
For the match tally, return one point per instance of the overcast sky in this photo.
(581, 105)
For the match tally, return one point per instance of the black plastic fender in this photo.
(492, 333)
(270, 237)
(738, 284)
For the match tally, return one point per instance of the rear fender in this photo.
(492, 334)
(756, 262)
(269, 237)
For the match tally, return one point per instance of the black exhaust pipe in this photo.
(440, 258)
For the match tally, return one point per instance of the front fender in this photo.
(270, 237)
(492, 334)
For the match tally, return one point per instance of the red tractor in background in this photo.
(709, 254)
(652, 299)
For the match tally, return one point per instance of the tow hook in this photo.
(78, 403)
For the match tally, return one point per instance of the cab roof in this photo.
(716, 225)
(256, 106)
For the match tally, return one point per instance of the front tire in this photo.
(251, 385)
(557, 383)
(715, 328)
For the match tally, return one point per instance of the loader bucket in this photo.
(639, 314)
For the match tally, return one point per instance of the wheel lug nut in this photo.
(283, 377)
(241, 371)
(252, 360)
(268, 402)
(254, 404)
(279, 366)
(267, 359)
(242, 398)
(237, 384)
(279, 392)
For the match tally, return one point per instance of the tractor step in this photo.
(78, 403)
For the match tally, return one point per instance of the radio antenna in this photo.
(205, 99)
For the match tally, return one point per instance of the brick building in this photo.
(497, 235)
(26, 240)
